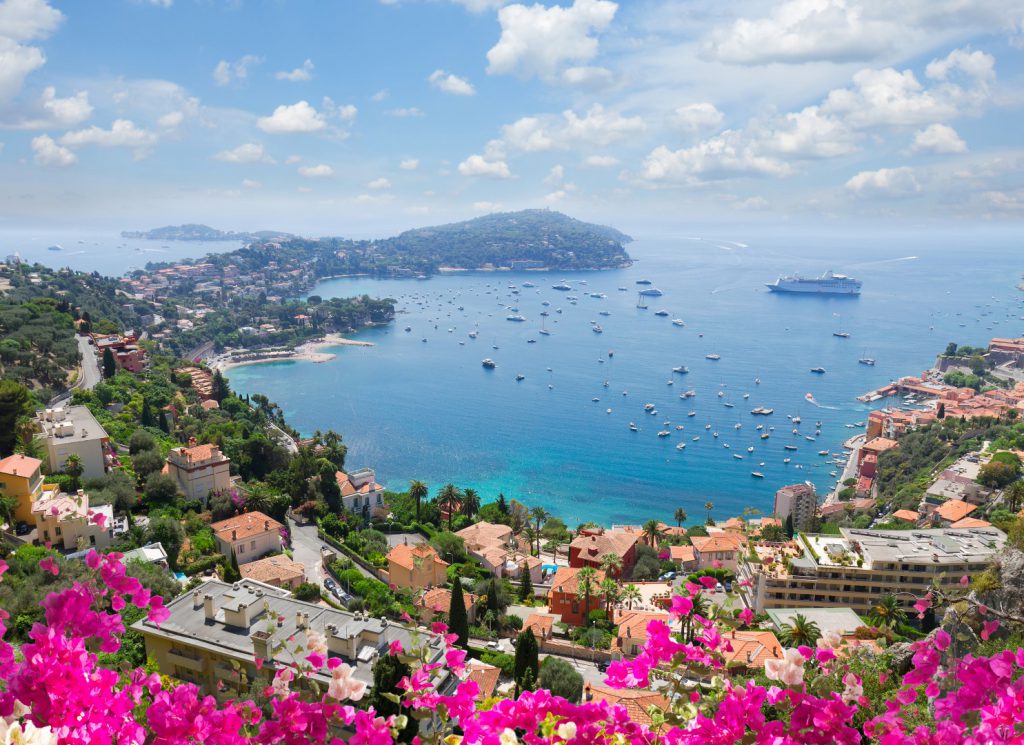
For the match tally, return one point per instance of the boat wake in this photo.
(809, 398)
(883, 261)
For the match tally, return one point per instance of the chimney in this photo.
(234, 535)
(191, 442)
(208, 610)
(298, 620)
(197, 600)
(261, 645)
(266, 524)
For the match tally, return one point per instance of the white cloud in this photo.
(379, 95)
(884, 183)
(379, 183)
(600, 161)
(171, 120)
(49, 153)
(50, 111)
(250, 152)
(596, 127)
(23, 21)
(405, 113)
(318, 171)
(539, 41)
(697, 116)
(298, 74)
(122, 133)
(478, 165)
(723, 156)
(409, 164)
(451, 83)
(555, 176)
(487, 206)
(249, 183)
(299, 117)
(555, 196)
(479, 6)
(806, 134)
(227, 72)
(752, 203)
(292, 159)
(938, 139)
(374, 199)
(587, 76)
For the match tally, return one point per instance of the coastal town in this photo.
(297, 535)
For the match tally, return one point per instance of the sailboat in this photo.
(640, 301)
(544, 331)
(865, 360)
(841, 334)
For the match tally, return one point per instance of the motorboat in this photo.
(489, 364)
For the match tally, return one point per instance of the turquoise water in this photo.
(428, 410)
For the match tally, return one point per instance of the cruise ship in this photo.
(827, 284)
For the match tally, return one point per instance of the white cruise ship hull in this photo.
(814, 288)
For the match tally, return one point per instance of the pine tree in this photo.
(147, 413)
(789, 526)
(458, 622)
(525, 584)
(526, 660)
(162, 422)
(219, 389)
(109, 367)
(502, 504)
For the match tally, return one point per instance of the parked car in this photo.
(602, 666)
(493, 645)
(668, 576)
(718, 587)
(22, 529)
(728, 586)
(330, 584)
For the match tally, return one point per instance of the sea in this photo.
(419, 404)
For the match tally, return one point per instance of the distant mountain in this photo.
(541, 237)
(204, 233)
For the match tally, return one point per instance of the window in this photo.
(92, 540)
(56, 531)
(46, 535)
(252, 545)
(241, 548)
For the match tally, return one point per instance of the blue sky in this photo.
(365, 117)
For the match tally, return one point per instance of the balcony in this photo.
(185, 658)
(227, 673)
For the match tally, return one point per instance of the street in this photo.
(90, 364)
(306, 546)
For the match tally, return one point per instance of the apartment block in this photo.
(73, 430)
(797, 501)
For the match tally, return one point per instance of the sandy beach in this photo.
(311, 351)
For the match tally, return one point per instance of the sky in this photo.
(365, 117)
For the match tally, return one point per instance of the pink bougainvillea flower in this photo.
(746, 616)
(987, 629)
(395, 648)
(49, 565)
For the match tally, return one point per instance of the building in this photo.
(796, 501)
(683, 557)
(486, 677)
(564, 601)
(951, 511)
(632, 625)
(65, 521)
(73, 430)
(907, 516)
(360, 493)
(962, 490)
(436, 602)
(856, 567)
(750, 649)
(493, 545)
(416, 567)
(842, 621)
(540, 625)
(590, 548)
(127, 354)
(21, 478)
(248, 536)
(719, 551)
(277, 571)
(199, 470)
(151, 553)
(636, 701)
(214, 636)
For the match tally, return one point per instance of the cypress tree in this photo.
(162, 420)
(492, 597)
(789, 526)
(526, 660)
(147, 413)
(502, 504)
(458, 622)
(109, 367)
(525, 584)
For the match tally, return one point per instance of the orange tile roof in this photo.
(633, 623)
(486, 676)
(406, 556)
(752, 648)
(485, 534)
(19, 465)
(597, 546)
(634, 700)
(954, 509)
(681, 554)
(720, 542)
(566, 580)
(245, 526)
(909, 515)
(273, 569)
(971, 522)
(439, 599)
(879, 445)
(540, 625)
(348, 488)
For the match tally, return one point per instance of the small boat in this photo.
(869, 361)
(729, 405)
(561, 286)
(818, 370)
(737, 426)
(531, 341)
(408, 328)
(737, 456)
(670, 382)
(786, 460)
(822, 452)
(652, 292)
(695, 439)
(58, 247)
(796, 419)
(632, 427)
(750, 449)
(681, 369)
(809, 438)
(681, 446)
(746, 396)
(721, 393)
(544, 332)
(529, 284)
(648, 407)
(489, 364)
(679, 427)
(691, 413)
(643, 281)
(473, 334)
(765, 436)
(789, 447)
(516, 318)
(712, 356)
(715, 435)
(757, 381)
(597, 329)
(520, 376)
(841, 334)
(595, 399)
(707, 426)
(661, 313)
(604, 313)
(664, 433)
(611, 353)
(678, 322)
(757, 474)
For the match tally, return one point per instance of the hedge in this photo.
(201, 565)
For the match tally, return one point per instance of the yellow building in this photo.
(416, 567)
(21, 477)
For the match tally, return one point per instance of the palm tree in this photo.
(1015, 494)
(586, 586)
(887, 612)
(552, 546)
(25, 429)
(540, 516)
(470, 502)
(701, 607)
(652, 533)
(418, 491)
(611, 564)
(680, 517)
(610, 589)
(73, 467)
(709, 505)
(448, 499)
(258, 499)
(800, 632)
(630, 594)
(530, 533)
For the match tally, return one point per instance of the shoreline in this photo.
(310, 351)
